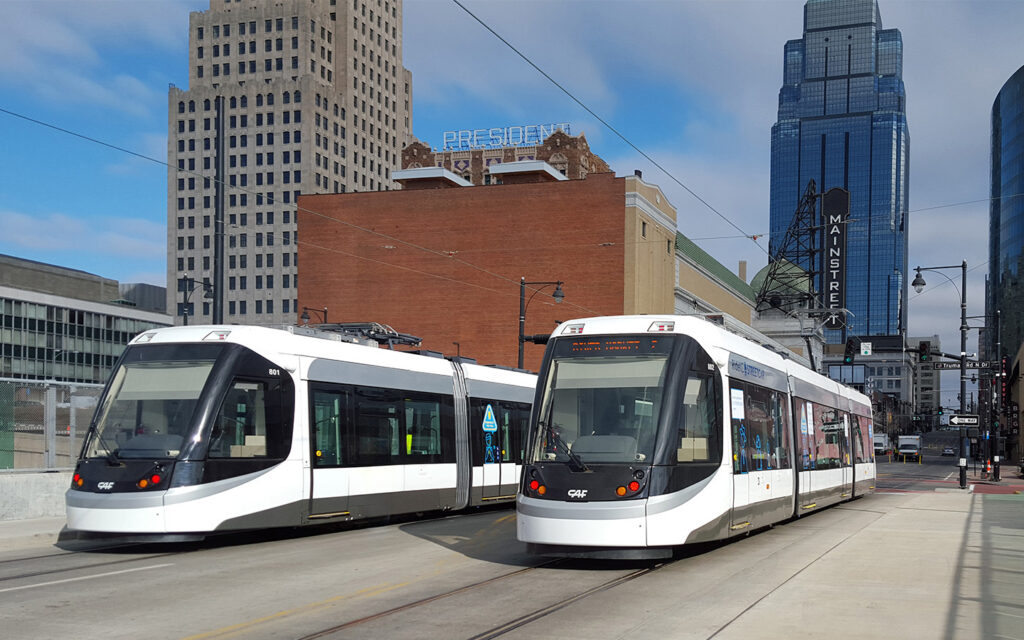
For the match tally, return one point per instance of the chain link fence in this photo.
(42, 423)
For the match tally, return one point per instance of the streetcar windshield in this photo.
(602, 400)
(147, 411)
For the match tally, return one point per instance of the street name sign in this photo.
(958, 419)
(971, 364)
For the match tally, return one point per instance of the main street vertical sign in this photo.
(835, 210)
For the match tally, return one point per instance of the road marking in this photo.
(98, 575)
(241, 627)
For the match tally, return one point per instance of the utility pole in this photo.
(218, 217)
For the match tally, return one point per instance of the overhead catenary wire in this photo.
(448, 255)
(611, 128)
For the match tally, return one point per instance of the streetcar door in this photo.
(741, 463)
(848, 457)
(329, 413)
(494, 427)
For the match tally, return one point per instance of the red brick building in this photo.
(444, 262)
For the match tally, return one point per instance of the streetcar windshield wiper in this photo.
(111, 456)
(577, 461)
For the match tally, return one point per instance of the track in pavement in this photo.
(508, 626)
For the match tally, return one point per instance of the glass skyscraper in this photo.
(842, 123)
(1005, 291)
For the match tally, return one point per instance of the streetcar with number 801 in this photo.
(204, 429)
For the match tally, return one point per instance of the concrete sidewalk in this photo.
(16, 535)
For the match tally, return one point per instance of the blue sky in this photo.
(692, 83)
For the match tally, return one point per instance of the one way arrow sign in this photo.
(958, 419)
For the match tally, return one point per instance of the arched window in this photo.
(286, 97)
(191, 106)
(206, 105)
(244, 101)
(259, 99)
(298, 96)
(234, 102)
(270, 99)
(181, 107)
(559, 162)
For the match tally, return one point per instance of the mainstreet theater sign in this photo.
(835, 209)
(499, 137)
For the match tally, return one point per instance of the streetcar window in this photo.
(867, 446)
(824, 436)
(804, 412)
(760, 428)
(422, 428)
(367, 426)
(330, 414)
(698, 427)
(506, 443)
(147, 411)
(603, 408)
(830, 447)
(240, 429)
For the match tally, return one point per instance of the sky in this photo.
(692, 83)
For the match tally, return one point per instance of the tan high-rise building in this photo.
(315, 99)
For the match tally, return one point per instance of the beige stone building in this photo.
(315, 100)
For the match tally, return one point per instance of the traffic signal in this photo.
(940, 411)
(850, 349)
(924, 351)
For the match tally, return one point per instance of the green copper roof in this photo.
(687, 247)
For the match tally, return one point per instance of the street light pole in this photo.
(963, 368)
(918, 285)
(188, 287)
(320, 312)
(523, 303)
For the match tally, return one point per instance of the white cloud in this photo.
(66, 237)
(68, 52)
(153, 145)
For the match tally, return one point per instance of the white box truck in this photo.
(882, 445)
(909, 447)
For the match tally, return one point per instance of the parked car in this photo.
(948, 451)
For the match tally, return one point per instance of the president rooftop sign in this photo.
(498, 137)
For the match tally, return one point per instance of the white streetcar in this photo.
(650, 432)
(217, 428)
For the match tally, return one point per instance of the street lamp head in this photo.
(558, 295)
(918, 282)
(304, 317)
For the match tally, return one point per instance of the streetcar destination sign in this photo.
(958, 419)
